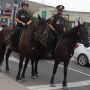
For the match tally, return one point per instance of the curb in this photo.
(8, 84)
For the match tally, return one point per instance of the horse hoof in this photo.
(33, 77)
(23, 79)
(8, 72)
(37, 75)
(65, 88)
(19, 81)
(52, 85)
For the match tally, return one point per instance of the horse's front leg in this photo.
(20, 67)
(23, 73)
(36, 67)
(7, 65)
(54, 72)
(64, 84)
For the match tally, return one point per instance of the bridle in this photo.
(84, 30)
(36, 27)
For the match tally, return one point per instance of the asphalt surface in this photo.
(78, 77)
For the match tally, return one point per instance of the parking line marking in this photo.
(72, 59)
(16, 60)
(71, 69)
(59, 86)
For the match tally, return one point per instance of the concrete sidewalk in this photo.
(8, 84)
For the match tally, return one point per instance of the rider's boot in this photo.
(50, 47)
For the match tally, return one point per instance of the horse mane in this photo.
(72, 31)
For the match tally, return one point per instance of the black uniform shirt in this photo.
(57, 22)
(23, 16)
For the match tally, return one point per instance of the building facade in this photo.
(71, 16)
(44, 11)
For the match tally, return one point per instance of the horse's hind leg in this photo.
(7, 65)
(23, 73)
(2, 53)
(18, 78)
(54, 72)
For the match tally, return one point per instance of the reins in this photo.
(36, 27)
(67, 43)
(78, 34)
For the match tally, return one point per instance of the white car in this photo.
(82, 54)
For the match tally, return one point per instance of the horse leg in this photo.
(36, 66)
(54, 72)
(32, 72)
(7, 65)
(23, 73)
(20, 67)
(64, 84)
(2, 53)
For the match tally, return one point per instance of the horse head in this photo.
(83, 35)
(40, 26)
(79, 33)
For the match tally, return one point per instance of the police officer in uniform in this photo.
(57, 26)
(23, 20)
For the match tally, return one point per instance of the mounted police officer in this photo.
(23, 20)
(57, 26)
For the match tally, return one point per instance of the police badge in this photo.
(60, 6)
(58, 22)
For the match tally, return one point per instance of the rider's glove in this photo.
(56, 33)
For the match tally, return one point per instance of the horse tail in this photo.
(2, 52)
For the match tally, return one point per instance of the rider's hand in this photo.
(56, 33)
(27, 23)
(23, 24)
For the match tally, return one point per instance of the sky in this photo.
(70, 5)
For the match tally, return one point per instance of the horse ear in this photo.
(39, 17)
(78, 22)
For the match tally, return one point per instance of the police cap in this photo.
(25, 3)
(60, 7)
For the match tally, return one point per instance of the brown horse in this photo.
(27, 44)
(64, 51)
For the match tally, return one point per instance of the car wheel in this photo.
(83, 60)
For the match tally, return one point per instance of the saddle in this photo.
(46, 37)
(43, 38)
(10, 33)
